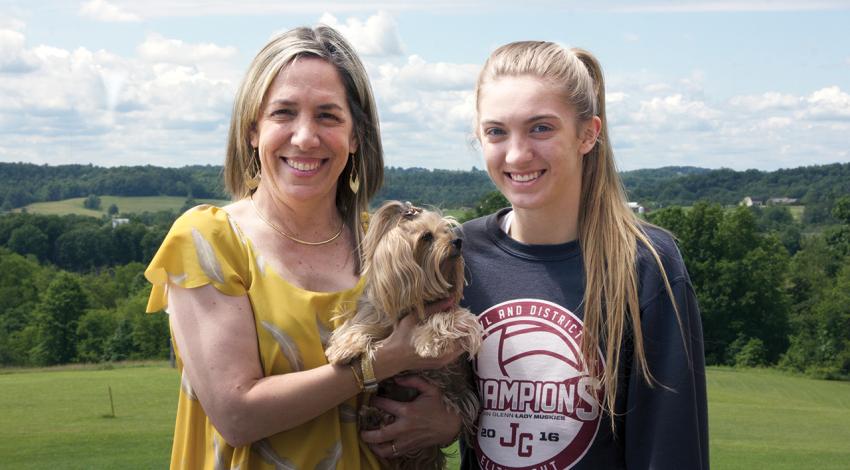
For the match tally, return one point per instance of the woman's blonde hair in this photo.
(608, 230)
(368, 161)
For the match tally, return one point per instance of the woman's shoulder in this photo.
(210, 222)
(202, 216)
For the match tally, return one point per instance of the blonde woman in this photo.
(593, 355)
(252, 289)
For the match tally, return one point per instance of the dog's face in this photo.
(412, 257)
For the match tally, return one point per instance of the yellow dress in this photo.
(204, 246)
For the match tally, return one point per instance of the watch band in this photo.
(370, 383)
(356, 377)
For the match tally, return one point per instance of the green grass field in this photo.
(765, 419)
(126, 205)
(54, 418)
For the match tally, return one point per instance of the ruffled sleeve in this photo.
(203, 247)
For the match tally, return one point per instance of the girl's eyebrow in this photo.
(534, 118)
(541, 117)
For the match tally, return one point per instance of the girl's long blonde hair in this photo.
(609, 231)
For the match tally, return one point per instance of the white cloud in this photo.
(102, 10)
(775, 122)
(420, 74)
(677, 112)
(12, 23)
(631, 37)
(377, 36)
(615, 97)
(828, 104)
(157, 48)
(766, 101)
(14, 58)
(95, 106)
(426, 111)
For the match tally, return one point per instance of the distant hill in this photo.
(811, 185)
(23, 183)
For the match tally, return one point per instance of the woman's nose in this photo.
(304, 135)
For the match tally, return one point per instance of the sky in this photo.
(733, 84)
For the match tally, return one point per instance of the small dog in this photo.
(412, 258)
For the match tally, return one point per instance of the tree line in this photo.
(816, 187)
(24, 183)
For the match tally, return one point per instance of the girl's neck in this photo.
(544, 227)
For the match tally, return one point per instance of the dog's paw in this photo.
(428, 344)
(472, 332)
(338, 354)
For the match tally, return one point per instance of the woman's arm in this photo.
(217, 340)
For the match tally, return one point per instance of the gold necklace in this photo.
(296, 240)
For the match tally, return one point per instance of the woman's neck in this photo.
(304, 220)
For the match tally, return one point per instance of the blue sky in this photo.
(736, 84)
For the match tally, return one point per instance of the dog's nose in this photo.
(457, 242)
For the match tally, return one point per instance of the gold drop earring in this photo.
(252, 173)
(353, 178)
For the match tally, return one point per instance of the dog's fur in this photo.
(412, 258)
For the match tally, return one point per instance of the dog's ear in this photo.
(396, 284)
(382, 221)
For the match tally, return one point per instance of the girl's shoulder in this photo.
(650, 276)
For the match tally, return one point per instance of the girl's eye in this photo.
(541, 128)
(494, 131)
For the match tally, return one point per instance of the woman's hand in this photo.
(423, 422)
(396, 353)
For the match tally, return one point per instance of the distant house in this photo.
(116, 221)
(751, 201)
(780, 201)
(637, 208)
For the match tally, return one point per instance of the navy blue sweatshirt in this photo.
(540, 408)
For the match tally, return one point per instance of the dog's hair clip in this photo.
(410, 210)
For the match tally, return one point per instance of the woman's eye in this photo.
(329, 116)
(541, 128)
(283, 112)
(494, 131)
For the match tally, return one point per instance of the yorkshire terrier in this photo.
(411, 259)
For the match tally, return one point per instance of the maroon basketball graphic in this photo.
(540, 408)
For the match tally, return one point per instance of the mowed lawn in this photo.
(54, 418)
(126, 205)
(766, 419)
